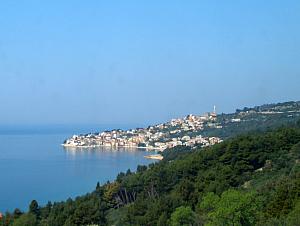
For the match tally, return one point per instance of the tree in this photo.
(232, 208)
(17, 213)
(186, 189)
(26, 220)
(209, 202)
(293, 217)
(34, 208)
(162, 220)
(7, 219)
(183, 216)
(141, 168)
(98, 186)
(120, 177)
(46, 210)
(128, 172)
(298, 123)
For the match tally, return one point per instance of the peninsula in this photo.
(182, 131)
(192, 130)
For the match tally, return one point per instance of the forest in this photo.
(250, 179)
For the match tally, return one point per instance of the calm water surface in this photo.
(36, 166)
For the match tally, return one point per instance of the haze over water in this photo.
(36, 166)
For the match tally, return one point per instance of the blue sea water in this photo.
(34, 165)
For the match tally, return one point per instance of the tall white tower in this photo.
(213, 115)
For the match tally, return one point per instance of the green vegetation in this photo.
(252, 179)
(182, 216)
(233, 207)
(259, 118)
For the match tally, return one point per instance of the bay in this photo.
(36, 166)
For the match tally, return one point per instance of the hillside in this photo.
(250, 179)
(262, 167)
(256, 118)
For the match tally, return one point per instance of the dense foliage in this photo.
(259, 118)
(253, 179)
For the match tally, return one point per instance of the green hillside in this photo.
(253, 119)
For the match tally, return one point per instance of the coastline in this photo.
(95, 146)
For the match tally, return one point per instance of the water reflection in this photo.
(102, 152)
(102, 148)
(43, 170)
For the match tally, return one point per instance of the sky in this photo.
(138, 62)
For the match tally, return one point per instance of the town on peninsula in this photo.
(182, 131)
(191, 131)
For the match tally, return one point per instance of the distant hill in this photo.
(247, 120)
(256, 118)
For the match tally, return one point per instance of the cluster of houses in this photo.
(182, 131)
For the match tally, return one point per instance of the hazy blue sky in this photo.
(144, 61)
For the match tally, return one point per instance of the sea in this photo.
(35, 166)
